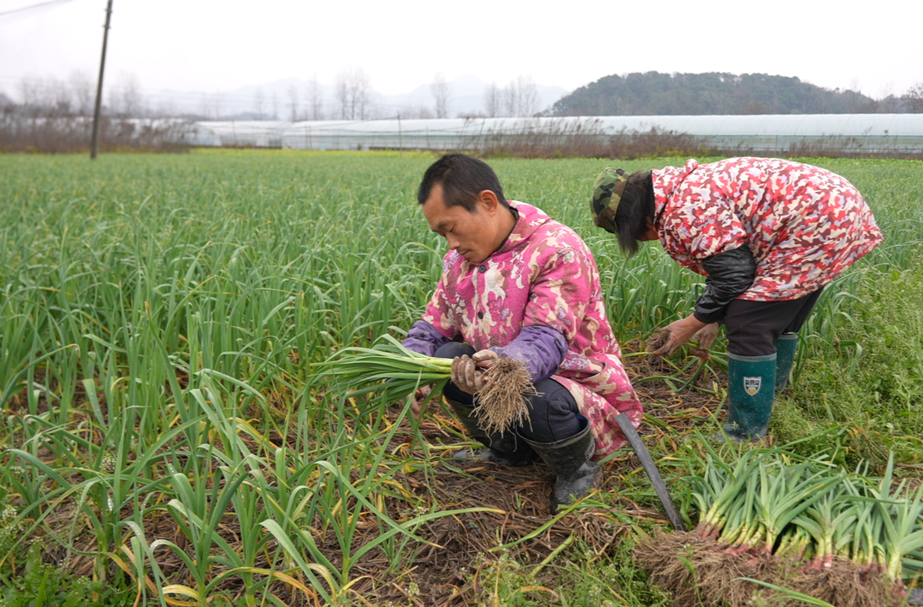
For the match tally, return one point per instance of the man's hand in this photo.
(469, 372)
(706, 337)
(678, 333)
(419, 397)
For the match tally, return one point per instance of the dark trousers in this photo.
(754, 326)
(553, 412)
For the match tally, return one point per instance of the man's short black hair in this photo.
(463, 178)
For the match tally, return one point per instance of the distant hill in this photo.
(656, 94)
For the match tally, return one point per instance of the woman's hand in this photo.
(678, 333)
(706, 337)
(419, 397)
(469, 372)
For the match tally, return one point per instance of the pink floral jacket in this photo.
(542, 275)
(803, 224)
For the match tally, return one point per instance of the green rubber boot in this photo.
(786, 346)
(752, 382)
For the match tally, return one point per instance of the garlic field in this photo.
(169, 437)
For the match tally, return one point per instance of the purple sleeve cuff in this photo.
(423, 338)
(542, 349)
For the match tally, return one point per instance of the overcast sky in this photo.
(219, 45)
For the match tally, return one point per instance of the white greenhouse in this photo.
(873, 133)
(242, 133)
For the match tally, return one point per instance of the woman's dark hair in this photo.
(462, 178)
(636, 209)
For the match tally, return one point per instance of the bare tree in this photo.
(411, 112)
(519, 97)
(315, 100)
(259, 103)
(888, 102)
(76, 96)
(45, 97)
(59, 96)
(127, 100)
(913, 98)
(205, 107)
(82, 87)
(115, 103)
(211, 105)
(528, 96)
(510, 100)
(492, 100)
(165, 108)
(342, 95)
(32, 93)
(441, 93)
(853, 98)
(354, 94)
(275, 106)
(293, 103)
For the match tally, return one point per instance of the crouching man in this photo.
(517, 284)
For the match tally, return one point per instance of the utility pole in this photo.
(94, 145)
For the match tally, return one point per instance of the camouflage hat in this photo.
(607, 193)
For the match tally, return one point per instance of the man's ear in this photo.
(488, 201)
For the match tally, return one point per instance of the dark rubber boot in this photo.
(505, 449)
(786, 346)
(569, 460)
(752, 382)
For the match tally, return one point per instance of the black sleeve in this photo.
(729, 275)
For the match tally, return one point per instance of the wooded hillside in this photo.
(656, 94)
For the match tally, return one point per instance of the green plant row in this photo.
(808, 510)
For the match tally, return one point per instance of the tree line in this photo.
(656, 94)
(351, 97)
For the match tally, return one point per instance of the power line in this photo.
(26, 11)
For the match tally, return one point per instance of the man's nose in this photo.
(453, 241)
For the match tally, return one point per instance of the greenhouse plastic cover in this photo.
(245, 133)
(770, 132)
(893, 132)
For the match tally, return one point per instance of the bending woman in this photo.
(769, 234)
